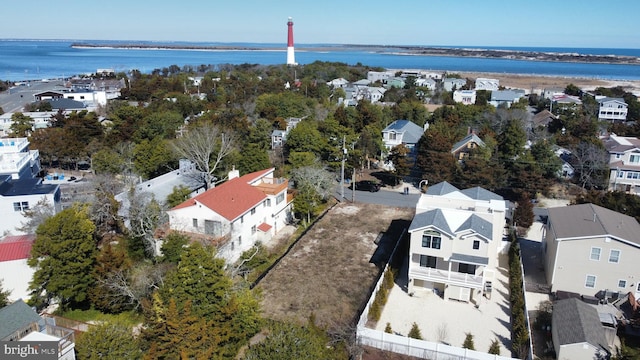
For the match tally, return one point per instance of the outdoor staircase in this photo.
(487, 289)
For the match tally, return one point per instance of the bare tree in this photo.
(130, 286)
(591, 163)
(316, 178)
(36, 215)
(144, 217)
(205, 146)
(104, 208)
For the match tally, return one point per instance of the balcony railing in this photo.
(447, 277)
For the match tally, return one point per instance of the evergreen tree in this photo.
(178, 196)
(111, 258)
(4, 296)
(108, 340)
(494, 348)
(173, 246)
(388, 329)
(415, 332)
(468, 342)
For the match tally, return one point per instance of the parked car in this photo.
(366, 185)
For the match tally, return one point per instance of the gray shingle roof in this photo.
(433, 218)
(471, 137)
(589, 220)
(442, 188)
(65, 104)
(577, 322)
(411, 132)
(16, 316)
(469, 259)
(479, 193)
(478, 225)
(505, 95)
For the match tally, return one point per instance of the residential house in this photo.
(562, 103)
(455, 238)
(48, 95)
(395, 82)
(381, 76)
(428, 83)
(450, 84)
(577, 332)
(237, 214)
(624, 163)
(543, 119)
(41, 120)
(487, 84)
(20, 188)
(371, 93)
(549, 93)
(338, 83)
(566, 170)
(402, 132)
(14, 271)
(505, 97)
(66, 104)
(19, 322)
(466, 97)
(278, 137)
(588, 249)
(612, 109)
(462, 148)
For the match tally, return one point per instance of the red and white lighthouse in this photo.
(291, 56)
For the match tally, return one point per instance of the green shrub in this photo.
(415, 332)
(468, 342)
(494, 349)
(387, 329)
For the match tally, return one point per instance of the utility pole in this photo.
(344, 158)
(353, 191)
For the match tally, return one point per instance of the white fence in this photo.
(408, 346)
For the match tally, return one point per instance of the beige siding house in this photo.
(455, 238)
(589, 249)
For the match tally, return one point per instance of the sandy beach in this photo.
(536, 83)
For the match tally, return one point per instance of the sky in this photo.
(545, 23)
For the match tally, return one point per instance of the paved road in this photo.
(386, 196)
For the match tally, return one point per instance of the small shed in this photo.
(577, 332)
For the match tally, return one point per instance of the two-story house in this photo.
(20, 188)
(624, 163)
(505, 97)
(451, 84)
(15, 273)
(588, 249)
(487, 84)
(465, 97)
(612, 109)
(462, 148)
(237, 214)
(278, 137)
(19, 322)
(455, 238)
(402, 132)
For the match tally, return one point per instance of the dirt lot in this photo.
(330, 271)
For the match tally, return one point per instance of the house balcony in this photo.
(446, 277)
(273, 186)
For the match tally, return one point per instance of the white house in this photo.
(450, 84)
(338, 83)
(612, 109)
(14, 271)
(381, 76)
(624, 163)
(402, 132)
(465, 97)
(41, 120)
(487, 84)
(455, 238)
(428, 83)
(505, 97)
(237, 214)
(278, 137)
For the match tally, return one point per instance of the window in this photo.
(620, 174)
(268, 202)
(253, 229)
(239, 240)
(634, 159)
(213, 227)
(595, 253)
(195, 223)
(467, 268)
(428, 261)
(590, 282)
(279, 198)
(614, 256)
(392, 136)
(21, 206)
(253, 211)
(476, 244)
(622, 284)
(431, 239)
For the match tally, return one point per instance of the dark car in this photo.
(367, 185)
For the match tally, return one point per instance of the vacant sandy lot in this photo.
(329, 271)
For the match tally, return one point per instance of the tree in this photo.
(253, 158)
(546, 159)
(399, 157)
(314, 186)
(415, 332)
(106, 161)
(63, 255)
(512, 140)
(35, 216)
(179, 195)
(523, 215)
(290, 341)
(591, 162)
(468, 342)
(153, 158)
(21, 125)
(173, 247)
(112, 258)
(494, 348)
(388, 329)
(145, 215)
(4, 296)
(108, 340)
(205, 146)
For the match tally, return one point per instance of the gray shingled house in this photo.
(577, 332)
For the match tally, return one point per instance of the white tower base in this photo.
(291, 56)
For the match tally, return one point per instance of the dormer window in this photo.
(431, 239)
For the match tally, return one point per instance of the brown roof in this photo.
(543, 118)
(589, 220)
(620, 144)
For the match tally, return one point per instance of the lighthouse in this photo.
(291, 56)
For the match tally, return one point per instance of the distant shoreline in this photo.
(397, 50)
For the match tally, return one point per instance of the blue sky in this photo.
(554, 23)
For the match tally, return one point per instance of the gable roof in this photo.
(442, 221)
(411, 133)
(16, 316)
(543, 118)
(16, 247)
(233, 198)
(469, 138)
(620, 144)
(478, 193)
(506, 95)
(609, 99)
(65, 104)
(442, 188)
(589, 220)
(577, 322)
(433, 218)
(478, 225)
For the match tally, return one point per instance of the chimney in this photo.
(234, 173)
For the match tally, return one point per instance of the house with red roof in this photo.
(14, 271)
(237, 214)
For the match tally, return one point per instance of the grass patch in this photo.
(130, 317)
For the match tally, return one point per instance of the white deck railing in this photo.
(444, 276)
